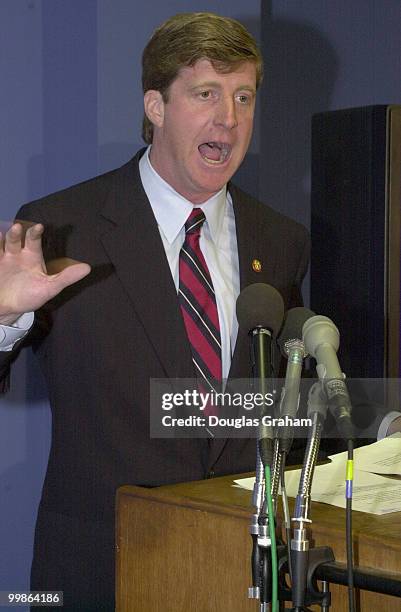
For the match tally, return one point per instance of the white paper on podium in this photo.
(382, 457)
(372, 493)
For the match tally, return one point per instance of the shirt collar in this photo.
(172, 210)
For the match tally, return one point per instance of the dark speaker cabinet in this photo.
(356, 229)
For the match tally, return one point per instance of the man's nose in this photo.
(226, 113)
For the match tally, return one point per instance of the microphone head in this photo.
(292, 328)
(320, 330)
(260, 305)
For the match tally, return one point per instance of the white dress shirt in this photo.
(10, 334)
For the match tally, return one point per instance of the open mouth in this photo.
(215, 152)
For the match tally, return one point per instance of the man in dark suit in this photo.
(101, 336)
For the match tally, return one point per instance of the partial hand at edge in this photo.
(25, 284)
(395, 426)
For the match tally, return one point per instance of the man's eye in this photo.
(205, 94)
(243, 98)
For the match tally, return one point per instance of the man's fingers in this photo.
(69, 275)
(13, 239)
(33, 238)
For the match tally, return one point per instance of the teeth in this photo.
(224, 153)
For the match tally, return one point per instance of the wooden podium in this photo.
(186, 548)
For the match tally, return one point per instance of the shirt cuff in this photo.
(386, 422)
(10, 334)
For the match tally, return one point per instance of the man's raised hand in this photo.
(25, 284)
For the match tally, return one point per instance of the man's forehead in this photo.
(206, 70)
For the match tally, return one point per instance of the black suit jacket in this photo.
(101, 340)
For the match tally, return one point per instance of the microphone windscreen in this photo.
(320, 330)
(293, 324)
(260, 305)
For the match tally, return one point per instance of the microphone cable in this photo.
(348, 525)
(287, 518)
(273, 544)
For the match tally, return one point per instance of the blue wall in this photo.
(320, 55)
(70, 108)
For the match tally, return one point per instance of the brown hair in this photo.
(186, 38)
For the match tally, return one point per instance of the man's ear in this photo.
(154, 107)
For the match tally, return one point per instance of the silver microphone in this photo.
(322, 339)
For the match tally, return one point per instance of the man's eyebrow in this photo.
(217, 85)
(205, 85)
(247, 88)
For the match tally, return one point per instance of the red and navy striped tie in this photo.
(198, 305)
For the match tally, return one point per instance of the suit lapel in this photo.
(253, 244)
(133, 244)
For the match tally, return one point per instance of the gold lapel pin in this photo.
(256, 265)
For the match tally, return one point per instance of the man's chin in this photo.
(213, 177)
(202, 191)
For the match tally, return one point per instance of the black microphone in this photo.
(322, 339)
(260, 312)
(292, 346)
(260, 305)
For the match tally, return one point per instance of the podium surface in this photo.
(186, 547)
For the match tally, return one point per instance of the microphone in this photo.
(292, 346)
(260, 312)
(260, 305)
(322, 339)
